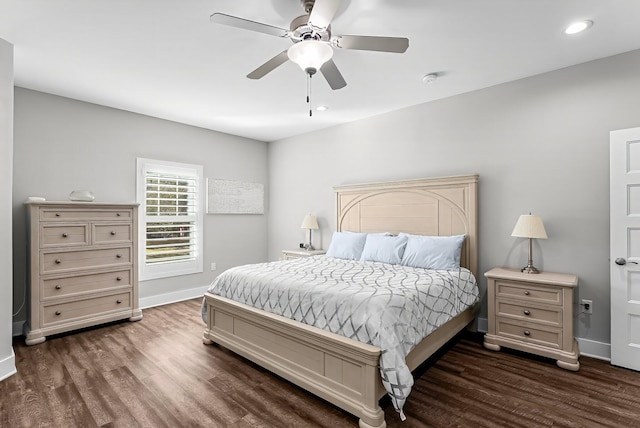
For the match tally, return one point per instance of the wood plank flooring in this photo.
(157, 373)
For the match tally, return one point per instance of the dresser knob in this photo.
(113, 233)
(118, 301)
(526, 293)
(58, 261)
(119, 256)
(58, 313)
(527, 333)
(58, 287)
(118, 278)
(118, 214)
(64, 235)
(57, 215)
(526, 312)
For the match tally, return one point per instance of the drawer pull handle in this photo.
(119, 256)
(64, 235)
(526, 293)
(118, 214)
(118, 278)
(527, 333)
(57, 214)
(118, 301)
(113, 233)
(58, 287)
(58, 261)
(526, 312)
(58, 313)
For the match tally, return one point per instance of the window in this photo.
(170, 219)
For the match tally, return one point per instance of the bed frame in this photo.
(340, 370)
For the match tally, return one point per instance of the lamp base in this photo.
(529, 269)
(308, 247)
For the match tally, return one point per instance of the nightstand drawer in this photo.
(550, 337)
(527, 292)
(552, 317)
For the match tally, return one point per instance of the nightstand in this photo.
(296, 254)
(532, 313)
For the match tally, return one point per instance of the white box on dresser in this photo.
(83, 268)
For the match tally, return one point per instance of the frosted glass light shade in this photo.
(310, 55)
(309, 222)
(529, 226)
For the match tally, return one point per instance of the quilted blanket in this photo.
(392, 307)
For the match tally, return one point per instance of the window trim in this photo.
(148, 272)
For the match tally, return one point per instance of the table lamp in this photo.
(309, 222)
(529, 226)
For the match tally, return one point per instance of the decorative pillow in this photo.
(433, 252)
(384, 248)
(346, 245)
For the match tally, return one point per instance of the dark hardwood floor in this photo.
(157, 373)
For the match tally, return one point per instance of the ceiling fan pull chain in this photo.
(309, 93)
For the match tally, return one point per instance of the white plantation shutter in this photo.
(171, 203)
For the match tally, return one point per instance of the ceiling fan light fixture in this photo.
(310, 55)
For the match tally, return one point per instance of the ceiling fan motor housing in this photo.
(302, 30)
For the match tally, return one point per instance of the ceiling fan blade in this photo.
(245, 24)
(330, 72)
(269, 66)
(323, 12)
(372, 43)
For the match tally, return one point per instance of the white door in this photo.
(625, 247)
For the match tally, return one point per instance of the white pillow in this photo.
(433, 252)
(384, 248)
(346, 245)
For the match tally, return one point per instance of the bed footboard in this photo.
(340, 370)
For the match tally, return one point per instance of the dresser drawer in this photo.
(84, 284)
(65, 214)
(78, 309)
(531, 313)
(549, 337)
(526, 292)
(58, 235)
(111, 233)
(51, 262)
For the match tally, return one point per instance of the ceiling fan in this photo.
(313, 41)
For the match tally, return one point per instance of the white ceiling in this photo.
(165, 59)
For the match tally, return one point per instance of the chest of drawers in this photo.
(82, 266)
(532, 313)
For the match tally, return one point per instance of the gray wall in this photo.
(7, 360)
(540, 145)
(62, 145)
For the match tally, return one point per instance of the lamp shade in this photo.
(529, 226)
(309, 222)
(310, 54)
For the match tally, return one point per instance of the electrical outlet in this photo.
(587, 306)
(213, 266)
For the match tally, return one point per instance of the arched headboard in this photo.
(432, 206)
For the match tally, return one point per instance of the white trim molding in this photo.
(8, 366)
(173, 297)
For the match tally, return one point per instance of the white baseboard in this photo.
(8, 366)
(588, 347)
(593, 349)
(173, 297)
(17, 328)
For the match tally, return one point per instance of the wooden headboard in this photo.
(432, 206)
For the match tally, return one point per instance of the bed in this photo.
(344, 371)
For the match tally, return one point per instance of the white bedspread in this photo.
(392, 307)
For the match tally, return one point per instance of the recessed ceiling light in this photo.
(577, 27)
(322, 108)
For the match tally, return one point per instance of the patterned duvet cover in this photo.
(392, 307)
